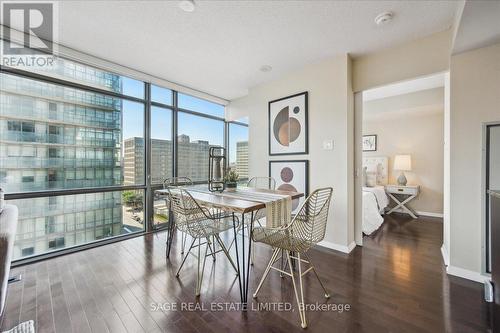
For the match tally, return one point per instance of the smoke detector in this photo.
(187, 5)
(266, 68)
(384, 18)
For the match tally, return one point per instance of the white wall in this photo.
(330, 117)
(445, 249)
(495, 158)
(475, 99)
(421, 57)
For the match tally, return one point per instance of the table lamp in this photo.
(402, 163)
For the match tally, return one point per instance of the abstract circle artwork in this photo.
(286, 129)
(290, 187)
(286, 174)
(290, 176)
(288, 125)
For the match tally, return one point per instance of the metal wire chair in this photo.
(267, 183)
(262, 182)
(306, 229)
(201, 224)
(176, 182)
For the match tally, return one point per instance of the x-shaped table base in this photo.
(402, 204)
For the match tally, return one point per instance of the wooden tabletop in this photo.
(226, 202)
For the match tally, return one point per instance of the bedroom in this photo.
(403, 130)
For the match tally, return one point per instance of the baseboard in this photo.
(466, 274)
(337, 247)
(446, 256)
(422, 213)
(429, 214)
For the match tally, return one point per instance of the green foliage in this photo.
(231, 176)
(132, 198)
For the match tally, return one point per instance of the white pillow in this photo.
(371, 179)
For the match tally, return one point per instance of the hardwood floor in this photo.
(395, 282)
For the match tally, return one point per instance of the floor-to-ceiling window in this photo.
(238, 149)
(200, 126)
(63, 154)
(162, 149)
(82, 151)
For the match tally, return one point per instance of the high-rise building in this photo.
(192, 162)
(192, 158)
(133, 160)
(57, 137)
(242, 159)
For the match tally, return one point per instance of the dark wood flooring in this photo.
(395, 283)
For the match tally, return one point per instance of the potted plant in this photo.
(231, 180)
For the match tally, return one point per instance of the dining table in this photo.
(239, 203)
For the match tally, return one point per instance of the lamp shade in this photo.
(402, 162)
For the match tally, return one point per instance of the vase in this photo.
(231, 187)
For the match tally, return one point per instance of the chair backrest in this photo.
(177, 181)
(309, 224)
(187, 212)
(262, 182)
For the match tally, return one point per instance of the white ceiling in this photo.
(405, 87)
(220, 47)
(416, 103)
(479, 25)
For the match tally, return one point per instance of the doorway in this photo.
(399, 130)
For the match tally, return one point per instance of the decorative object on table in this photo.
(288, 132)
(291, 175)
(402, 163)
(407, 192)
(231, 180)
(216, 168)
(370, 142)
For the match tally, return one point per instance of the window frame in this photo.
(147, 187)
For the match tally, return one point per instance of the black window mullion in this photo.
(148, 200)
(175, 129)
(66, 83)
(226, 142)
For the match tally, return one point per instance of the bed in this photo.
(375, 200)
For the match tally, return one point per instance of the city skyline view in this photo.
(56, 137)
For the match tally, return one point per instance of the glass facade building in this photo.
(82, 151)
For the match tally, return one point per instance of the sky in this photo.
(195, 127)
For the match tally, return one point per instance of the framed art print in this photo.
(291, 176)
(288, 132)
(370, 142)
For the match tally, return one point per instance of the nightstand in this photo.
(409, 192)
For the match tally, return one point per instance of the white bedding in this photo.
(380, 195)
(374, 203)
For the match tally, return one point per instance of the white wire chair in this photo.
(306, 229)
(262, 182)
(176, 182)
(267, 183)
(201, 224)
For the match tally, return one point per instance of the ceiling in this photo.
(479, 25)
(416, 103)
(219, 48)
(421, 96)
(405, 87)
